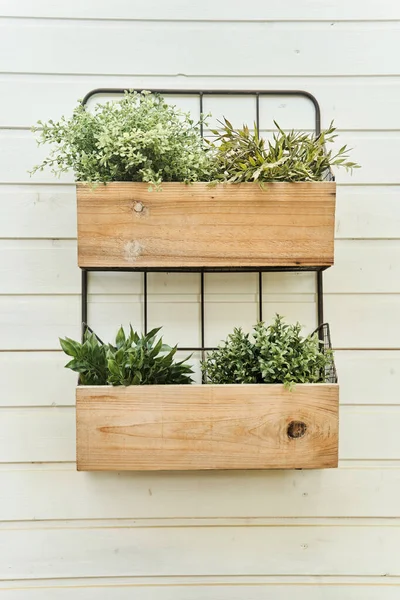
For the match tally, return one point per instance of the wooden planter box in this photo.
(188, 427)
(229, 225)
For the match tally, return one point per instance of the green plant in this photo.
(88, 358)
(243, 156)
(139, 138)
(277, 353)
(133, 360)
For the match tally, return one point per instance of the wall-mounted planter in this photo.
(229, 225)
(143, 428)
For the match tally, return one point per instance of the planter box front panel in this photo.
(286, 224)
(143, 428)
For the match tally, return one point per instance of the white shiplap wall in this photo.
(197, 536)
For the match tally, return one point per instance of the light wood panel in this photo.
(346, 49)
(48, 434)
(126, 225)
(49, 211)
(49, 267)
(36, 379)
(157, 428)
(59, 492)
(89, 549)
(209, 10)
(217, 589)
(46, 382)
(362, 321)
(36, 322)
(362, 103)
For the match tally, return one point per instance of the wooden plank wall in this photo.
(195, 536)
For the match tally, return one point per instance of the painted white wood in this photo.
(19, 153)
(49, 267)
(360, 103)
(48, 434)
(59, 492)
(294, 44)
(338, 10)
(364, 267)
(37, 434)
(225, 590)
(93, 550)
(49, 211)
(363, 320)
(36, 379)
(367, 212)
(366, 377)
(36, 322)
(33, 211)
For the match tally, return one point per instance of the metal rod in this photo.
(258, 112)
(84, 300)
(260, 296)
(202, 325)
(170, 269)
(297, 93)
(145, 303)
(320, 298)
(201, 114)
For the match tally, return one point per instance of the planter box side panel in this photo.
(207, 427)
(125, 225)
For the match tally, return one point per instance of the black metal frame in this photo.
(260, 270)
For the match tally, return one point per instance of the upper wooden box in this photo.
(229, 225)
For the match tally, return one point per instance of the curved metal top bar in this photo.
(201, 93)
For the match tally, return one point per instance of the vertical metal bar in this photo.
(201, 113)
(202, 325)
(320, 298)
(145, 299)
(84, 300)
(260, 296)
(258, 111)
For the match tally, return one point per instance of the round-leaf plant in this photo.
(277, 353)
(138, 138)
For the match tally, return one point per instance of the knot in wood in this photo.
(138, 207)
(296, 429)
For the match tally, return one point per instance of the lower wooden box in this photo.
(191, 427)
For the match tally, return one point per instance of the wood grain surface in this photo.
(285, 224)
(144, 428)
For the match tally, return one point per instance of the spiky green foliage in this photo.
(144, 360)
(243, 156)
(88, 359)
(138, 138)
(133, 360)
(277, 353)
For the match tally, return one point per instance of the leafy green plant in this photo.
(133, 360)
(139, 138)
(243, 156)
(277, 353)
(88, 358)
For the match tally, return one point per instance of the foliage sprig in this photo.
(133, 360)
(243, 156)
(276, 353)
(138, 138)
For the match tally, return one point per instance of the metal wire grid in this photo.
(323, 329)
